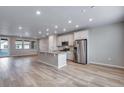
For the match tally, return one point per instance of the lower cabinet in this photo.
(70, 56)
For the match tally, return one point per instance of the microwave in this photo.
(65, 43)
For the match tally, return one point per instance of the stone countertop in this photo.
(48, 52)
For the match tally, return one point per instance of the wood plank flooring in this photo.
(28, 72)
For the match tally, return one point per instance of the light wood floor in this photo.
(28, 72)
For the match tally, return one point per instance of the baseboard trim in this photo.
(18, 55)
(23, 55)
(107, 65)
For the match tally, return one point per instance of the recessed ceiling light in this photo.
(47, 29)
(40, 32)
(90, 19)
(64, 29)
(56, 26)
(20, 27)
(38, 12)
(77, 26)
(69, 21)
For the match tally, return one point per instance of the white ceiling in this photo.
(13, 17)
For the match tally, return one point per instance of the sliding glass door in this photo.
(4, 47)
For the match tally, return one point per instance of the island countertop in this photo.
(58, 52)
(56, 59)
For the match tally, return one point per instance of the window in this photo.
(27, 44)
(4, 47)
(19, 44)
(3, 43)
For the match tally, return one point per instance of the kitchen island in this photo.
(55, 59)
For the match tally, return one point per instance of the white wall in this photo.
(106, 45)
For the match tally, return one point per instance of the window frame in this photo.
(27, 44)
(18, 44)
(32, 44)
(7, 43)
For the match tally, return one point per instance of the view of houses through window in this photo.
(18, 44)
(25, 44)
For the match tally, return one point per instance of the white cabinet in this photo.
(58, 41)
(81, 35)
(69, 38)
(52, 43)
(70, 55)
(64, 38)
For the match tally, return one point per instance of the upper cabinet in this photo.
(59, 39)
(69, 38)
(81, 35)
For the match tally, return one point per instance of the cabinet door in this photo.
(85, 34)
(64, 38)
(81, 35)
(70, 56)
(59, 41)
(70, 37)
(77, 35)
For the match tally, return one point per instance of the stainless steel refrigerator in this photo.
(80, 51)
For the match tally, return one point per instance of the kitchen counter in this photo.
(53, 53)
(55, 59)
